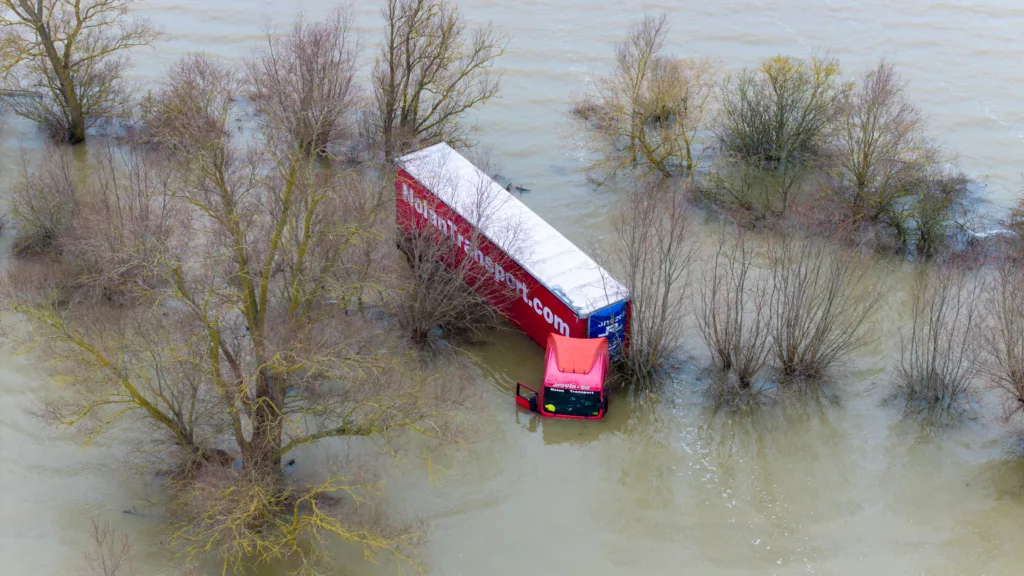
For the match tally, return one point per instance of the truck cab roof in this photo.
(576, 363)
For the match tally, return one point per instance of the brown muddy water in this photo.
(834, 483)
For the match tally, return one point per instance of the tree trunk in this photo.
(76, 124)
(264, 454)
(72, 106)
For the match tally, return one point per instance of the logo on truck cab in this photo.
(497, 273)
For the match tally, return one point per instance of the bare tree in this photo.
(431, 69)
(653, 109)
(881, 160)
(64, 61)
(732, 313)
(778, 113)
(451, 286)
(44, 204)
(1002, 337)
(653, 249)
(773, 122)
(939, 351)
(187, 114)
(305, 81)
(246, 349)
(111, 551)
(821, 298)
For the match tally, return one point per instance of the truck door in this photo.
(527, 397)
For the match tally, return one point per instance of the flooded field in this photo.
(829, 482)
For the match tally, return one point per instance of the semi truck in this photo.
(536, 277)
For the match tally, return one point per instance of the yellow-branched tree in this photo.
(653, 110)
(238, 346)
(64, 61)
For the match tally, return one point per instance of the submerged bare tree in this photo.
(773, 122)
(879, 153)
(652, 110)
(884, 168)
(821, 298)
(44, 202)
(64, 61)
(778, 113)
(1002, 336)
(733, 310)
(451, 286)
(305, 82)
(430, 71)
(653, 248)
(247, 348)
(111, 552)
(939, 351)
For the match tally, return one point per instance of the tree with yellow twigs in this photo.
(772, 126)
(237, 339)
(64, 60)
(652, 110)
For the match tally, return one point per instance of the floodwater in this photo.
(832, 483)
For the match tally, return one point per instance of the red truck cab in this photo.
(574, 380)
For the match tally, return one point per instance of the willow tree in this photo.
(1002, 335)
(885, 169)
(773, 124)
(652, 109)
(242, 348)
(654, 247)
(305, 80)
(64, 60)
(432, 69)
(779, 112)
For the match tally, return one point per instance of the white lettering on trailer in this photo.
(448, 229)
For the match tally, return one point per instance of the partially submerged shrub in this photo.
(435, 299)
(126, 220)
(102, 230)
(885, 170)
(934, 211)
(652, 109)
(447, 291)
(1014, 239)
(44, 203)
(752, 189)
(732, 311)
(778, 113)
(939, 351)
(821, 298)
(653, 248)
(1002, 337)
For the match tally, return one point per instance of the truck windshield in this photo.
(572, 402)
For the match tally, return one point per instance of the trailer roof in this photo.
(568, 272)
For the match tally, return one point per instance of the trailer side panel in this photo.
(507, 285)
